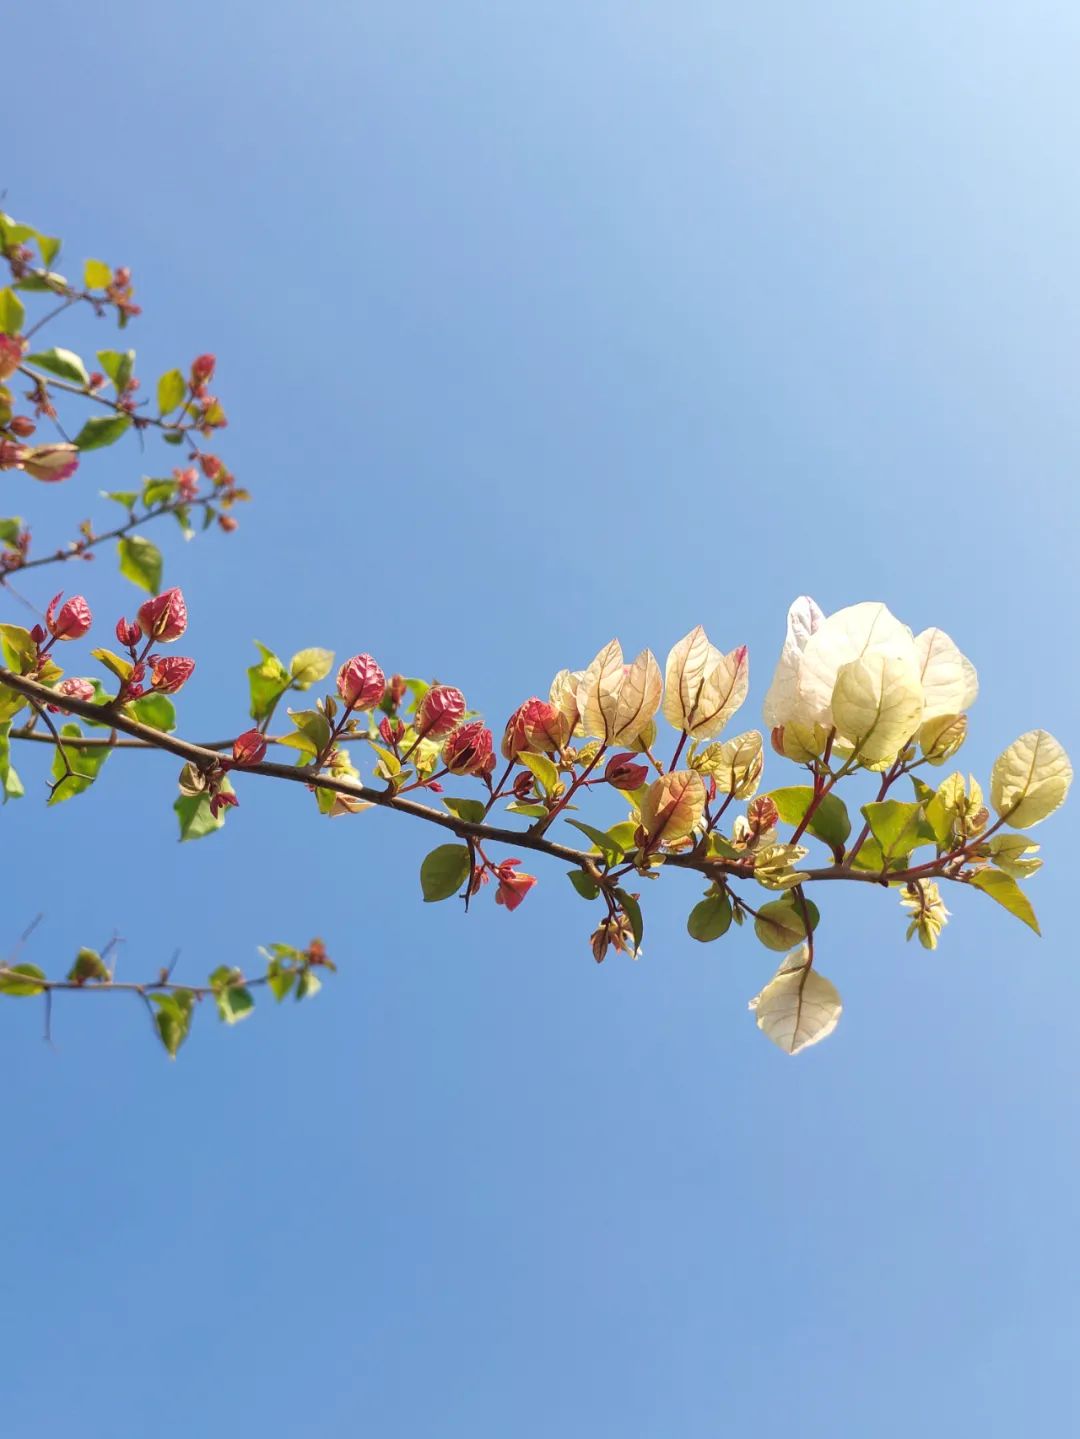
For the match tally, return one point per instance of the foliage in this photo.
(854, 693)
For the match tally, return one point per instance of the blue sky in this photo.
(538, 325)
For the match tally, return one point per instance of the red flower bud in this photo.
(211, 466)
(398, 689)
(170, 673)
(37, 634)
(440, 711)
(361, 682)
(121, 277)
(21, 425)
(469, 749)
(220, 800)
(187, 483)
(97, 379)
(249, 748)
(128, 632)
(50, 462)
(535, 727)
(624, 773)
(165, 616)
(392, 730)
(202, 369)
(512, 887)
(228, 523)
(11, 355)
(72, 621)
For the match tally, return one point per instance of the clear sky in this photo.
(538, 324)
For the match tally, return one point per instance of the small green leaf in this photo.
(632, 910)
(542, 769)
(307, 984)
(121, 668)
(470, 810)
(193, 812)
(102, 430)
(309, 666)
(710, 918)
(830, 821)
(65, 364)
(89, 965)
(267, 681)
(530, 811)
(608, 846)
(118, 365)
(20, 651)
(171, 391)
(19, 980)
(1008, 894)
(444, 871)
(173, 1019)
(11, 786)
(49, 245)
(10, 530)
(85, 764)
(12, 313)
(157, 711)
(127, 498)
(898, 827)
(584, 883)
(96, 275)
(233, 999)
(158, 492)
(779, 924)
(140, 562)
(313, 731)
(279, 979)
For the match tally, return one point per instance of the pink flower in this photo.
(11, 354)
(187, 483)
(164, 617)
(535, 727)
(513, 887)
(249, 748)
(440, 711)
(361, 682)
(50, 462)
(170, 673)
(202, 369)
(75, 689)
(469, 749)
(624, 773)
(211, 466)
(72, 621)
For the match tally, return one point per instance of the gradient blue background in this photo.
(535, 325)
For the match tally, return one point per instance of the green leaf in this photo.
(779, 924)
(49, 245)
(545, 773)
(830, 821)
(710, 918)
(86, 764)
(157, 492)
(608, 846)
(307, 667)
(307, 984)
(279, 979)
(65, 364)
(233, 999)
(171, 391)
(157, 711)
(470, 810)
(313, 731)
(102, 430)
(11, 786)
(118, 365)
(127, 498)
(140, 562)
(899, 827)
(96, 275)
(21, 980)
(121, 668)
(12, 313)
(20, 651)
(632, 910)
(193, 812)
(1008, 894)
(267, 681)
(173, 1019)
(52, 282)
(530, 811)
(89, 965)
(10, 530)
(444, 871)
(584, 883)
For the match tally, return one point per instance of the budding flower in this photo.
(11, 355)
(398, 689)
(513, 887)
(391, 730)
(128, 632)
(535, 727)
(469, 749)
(249, 748)
(76, 689)
(441, 710)
(622, 772)
(21, 426)
(72, 621)
(50, 462)
(361, 682)
(202, 369)
(170, 673)
(164, 617)
(211, 466)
